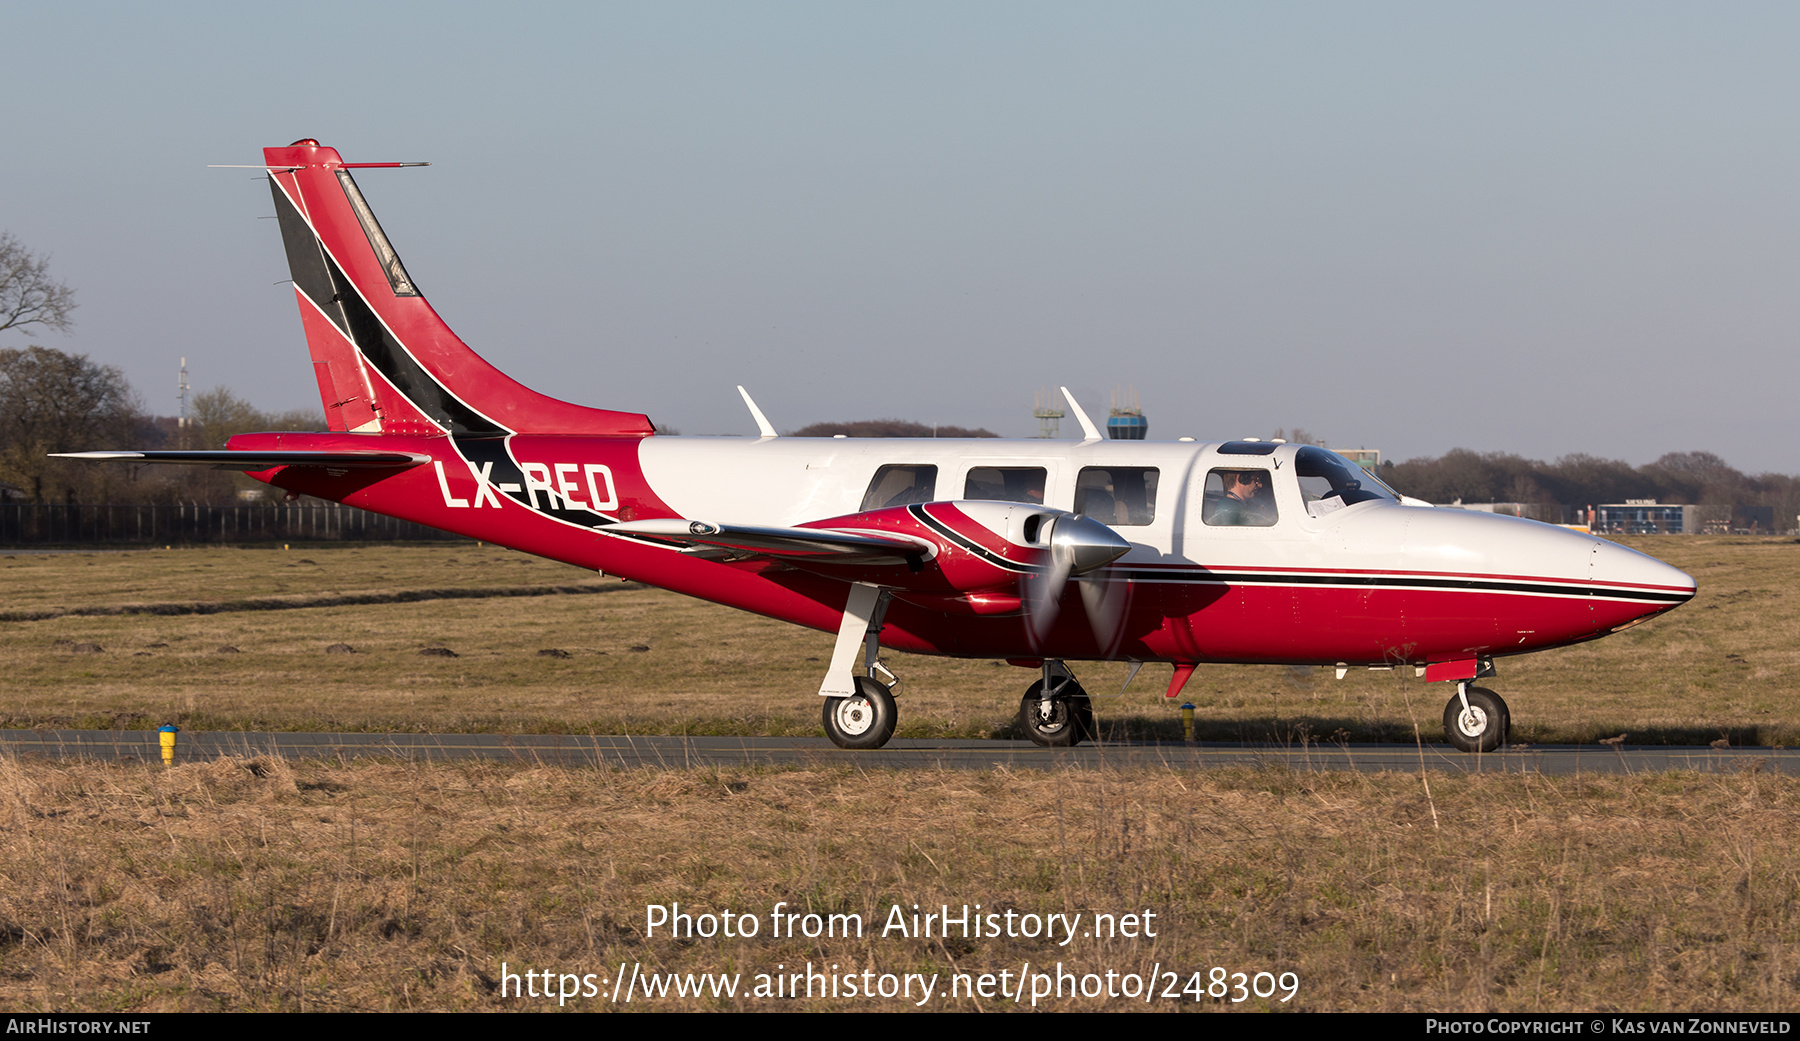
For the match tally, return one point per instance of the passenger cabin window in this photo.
(1006, 483)
(900, 484)
(1329, 482)
(1235, 497)
(1120, 495)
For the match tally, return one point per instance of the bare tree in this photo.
(28, 296)
(56, 402)
(221, 415)
(218, 416)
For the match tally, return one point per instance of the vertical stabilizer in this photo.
(384, 359)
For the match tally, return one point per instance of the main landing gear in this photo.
(859, 709)
(1476, 719)
(863, 720)
(1055, 712)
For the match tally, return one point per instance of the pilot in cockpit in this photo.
(1245, 499)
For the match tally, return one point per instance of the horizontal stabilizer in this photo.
(251, 462)
(815, 545)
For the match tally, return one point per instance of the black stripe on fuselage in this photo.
(1481, 585)
(918, 511)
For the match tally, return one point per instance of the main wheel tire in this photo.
(1483, 727)
(1067, 721)
(865, 719)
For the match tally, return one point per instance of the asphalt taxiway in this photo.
(735, 752)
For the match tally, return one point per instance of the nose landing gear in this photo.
(1476, 720)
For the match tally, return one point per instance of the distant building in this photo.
(1126, 427)
(1638, 517)
(1649, 517)
(1126, 421)
(1367, 458)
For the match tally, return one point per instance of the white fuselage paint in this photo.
(790, 481)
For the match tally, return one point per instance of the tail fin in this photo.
(384, 359)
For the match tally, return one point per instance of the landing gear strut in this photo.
(859, 708)
(1055, 711)
(1476, 720)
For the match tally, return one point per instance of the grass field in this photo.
(645, 661)
(269, 884)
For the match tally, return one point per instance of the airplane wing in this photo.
(813, 545)
(253, 461)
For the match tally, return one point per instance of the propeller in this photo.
(1078, 548)
(1104, 600)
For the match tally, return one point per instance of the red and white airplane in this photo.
(1038, 552)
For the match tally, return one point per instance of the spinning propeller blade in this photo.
(1079, 546)
(1104, 600)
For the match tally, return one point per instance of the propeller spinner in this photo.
(1078, 548)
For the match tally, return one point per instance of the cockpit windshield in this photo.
(1329, 482)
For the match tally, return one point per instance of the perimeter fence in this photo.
(26, 524)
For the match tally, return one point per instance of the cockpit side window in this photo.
(900, 484)
(1117, 495)
(1006, 483)
(1329, 482)
(1238, 497)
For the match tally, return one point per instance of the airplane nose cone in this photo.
(1581, 586)
(1616, 571)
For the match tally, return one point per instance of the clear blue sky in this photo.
(1543, 228)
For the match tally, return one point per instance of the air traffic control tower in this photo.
(1126, 421)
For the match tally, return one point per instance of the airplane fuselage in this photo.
(1377, 582)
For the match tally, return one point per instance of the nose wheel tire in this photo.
(1482, 726)
(1064, 722)
(863, 720)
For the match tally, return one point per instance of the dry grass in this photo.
(76, 581)
(260, 885)
(1727, 664)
